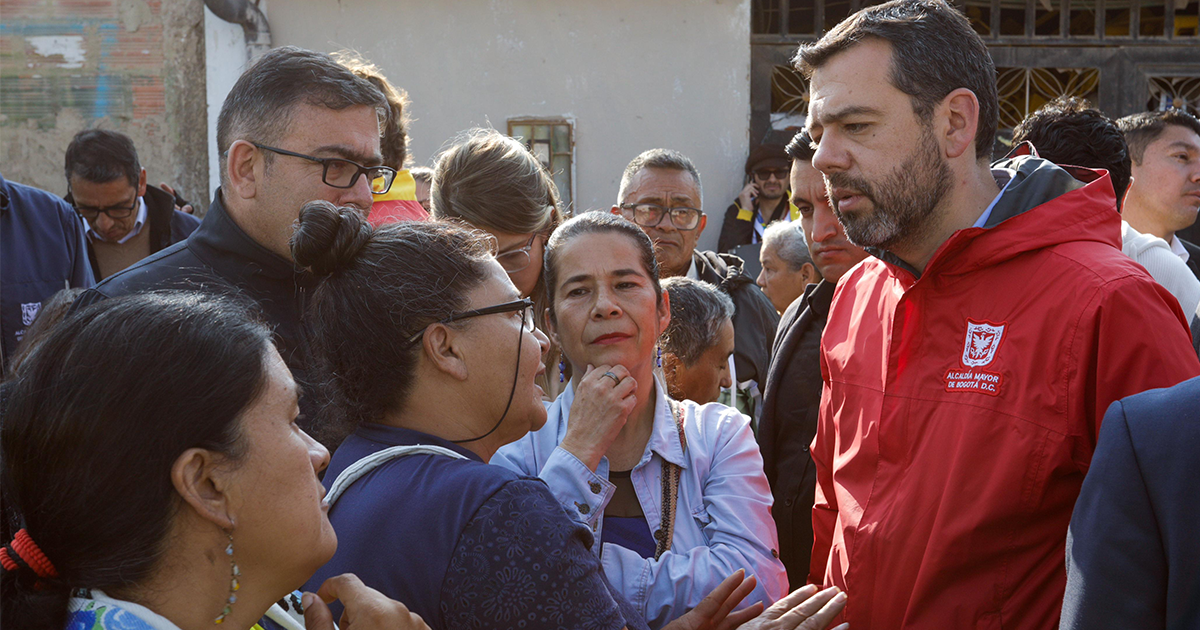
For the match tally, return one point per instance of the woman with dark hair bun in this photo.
(151, 451)
(430, 348)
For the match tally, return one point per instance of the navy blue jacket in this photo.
(465, 544)
(44, 251)
(1133, 548)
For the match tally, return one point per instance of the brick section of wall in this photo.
(67, 65)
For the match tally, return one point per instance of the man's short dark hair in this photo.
(1068, 130)
(934, 52)
(1143, 129)
(661, 158)
(261, 103)
(800, 147)
(100, 156)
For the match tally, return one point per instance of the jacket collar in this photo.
(818, 297)
(222, 244)
(1044, 205)
(399, 436)
(664, 437)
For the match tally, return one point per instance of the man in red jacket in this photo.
(968, 365)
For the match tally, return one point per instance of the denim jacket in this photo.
(723, 515)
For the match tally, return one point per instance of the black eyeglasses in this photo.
(525, 304)
(517, 259)
(651, 214)
(114, 212)
(341, 173)
(765, 173)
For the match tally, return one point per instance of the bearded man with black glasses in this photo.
(660, 191)
(296, 127)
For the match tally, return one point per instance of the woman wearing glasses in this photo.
(674, 491)
(431, 349)
(493, 183)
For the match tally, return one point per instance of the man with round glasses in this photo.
(660, 191)
(125, 219)
(296, 127)
(762, 202)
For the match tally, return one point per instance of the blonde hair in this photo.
(493, 182)
(394, 138)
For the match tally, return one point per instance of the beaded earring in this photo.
(562, 367)
(234, 586)
(658, 359)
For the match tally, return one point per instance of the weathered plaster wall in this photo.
(633, 75)
(136, 66)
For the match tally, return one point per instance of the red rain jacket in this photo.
(961, 408)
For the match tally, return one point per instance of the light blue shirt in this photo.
(723, 515)
(987, 214)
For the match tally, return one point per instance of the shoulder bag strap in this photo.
(670, 488)
(377, 459)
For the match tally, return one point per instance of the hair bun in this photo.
(328, 238)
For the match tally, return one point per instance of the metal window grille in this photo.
(553, 142)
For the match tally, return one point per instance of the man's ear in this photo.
(664, 312)
(959, 114)
(443, 352)
(203, 479)
(703, 222)
(242, 163)
(811, 275)
(616, 210)
(141, 187)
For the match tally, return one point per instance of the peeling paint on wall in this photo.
(67, 65)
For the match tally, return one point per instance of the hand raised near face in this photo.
(746, 197)
(604, 398)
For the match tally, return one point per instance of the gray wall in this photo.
(633, 75)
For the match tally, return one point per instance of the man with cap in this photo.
(762, 202)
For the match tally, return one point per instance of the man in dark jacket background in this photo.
(296, 127)
(126, 220)
(660, 191)
(792, 395)
(762, 202)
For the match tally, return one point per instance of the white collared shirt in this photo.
(723, 515)
(1178, 249)
(137, 225)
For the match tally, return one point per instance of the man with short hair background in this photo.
(761, 202)
(126, 219)
(1165, 194)
(968, 364)
(787, 266)
(296, 127)
(661, 192)
(792, 396)
(1071, 131)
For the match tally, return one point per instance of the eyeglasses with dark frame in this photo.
(507, 307)
(651, 214)
(345, 173)
(114, 212)
(517, 259)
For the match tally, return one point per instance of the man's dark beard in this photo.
(902, 204)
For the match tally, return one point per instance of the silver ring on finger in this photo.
(616, 379)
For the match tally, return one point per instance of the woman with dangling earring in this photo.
(152, 457)
(675, 491)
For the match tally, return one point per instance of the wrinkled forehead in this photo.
(661, 184)
(854, 79)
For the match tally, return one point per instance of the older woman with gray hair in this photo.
(787, 265)
(699, 340)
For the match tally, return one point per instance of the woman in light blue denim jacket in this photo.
(674, 491)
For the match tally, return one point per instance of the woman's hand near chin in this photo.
(602, 405)
(365, 608)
